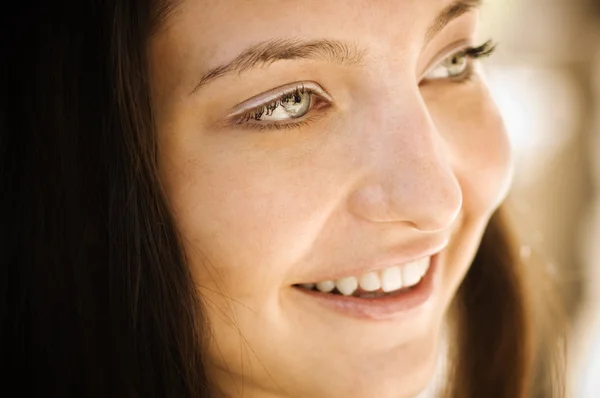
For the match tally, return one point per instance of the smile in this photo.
(374, 284)
(377, 295)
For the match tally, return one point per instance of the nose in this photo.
(408, 177)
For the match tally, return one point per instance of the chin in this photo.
(406, 374)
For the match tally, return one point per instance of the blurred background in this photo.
(545, 77)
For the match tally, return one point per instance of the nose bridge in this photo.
(410, 178)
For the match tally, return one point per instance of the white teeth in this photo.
(346, 286)
(387, 280)
(370, 282)
(411, 274)
(424, 265)
(325, 286)
(391, 279)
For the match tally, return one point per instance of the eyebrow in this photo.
(448, 14)
(270, 51)
(335, 51)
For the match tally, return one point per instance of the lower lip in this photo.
(381, 308)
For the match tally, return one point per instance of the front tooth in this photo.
(411, 274)
(325, 286)
(424, 265)
(370, 282)
(346, 286)
(391, 279)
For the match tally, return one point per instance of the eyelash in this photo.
(472, 53)
(260, 110)
(281, 126)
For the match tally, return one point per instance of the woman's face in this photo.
(337, 142)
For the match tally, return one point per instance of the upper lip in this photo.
(395, 256)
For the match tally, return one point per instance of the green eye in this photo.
(289, 106)
(458, 65)
(292, 105)
(454, 66)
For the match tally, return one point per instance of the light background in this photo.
(545, 78)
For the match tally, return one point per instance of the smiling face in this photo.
(328, 143)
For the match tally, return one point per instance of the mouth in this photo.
(380, 294)
(374, 284)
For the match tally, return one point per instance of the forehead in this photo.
(222, 24)
(201, 34)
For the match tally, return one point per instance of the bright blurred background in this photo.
(545, 77)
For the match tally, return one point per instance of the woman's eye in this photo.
(454, 66)
(287, 109)
(458, 66)
(289, 106)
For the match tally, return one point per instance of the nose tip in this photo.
(429, 203)
(407, 171)
(437, 211)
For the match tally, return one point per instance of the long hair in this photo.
(95, 296)
(508, 328)
(96, 299)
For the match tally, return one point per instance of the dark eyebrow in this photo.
(448, 14)
(269, 51)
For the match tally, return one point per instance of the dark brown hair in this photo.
(509, 329)
(95, 296)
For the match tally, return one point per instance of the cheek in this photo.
(242, 214)
(477, 145)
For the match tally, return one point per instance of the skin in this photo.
(395, 163)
